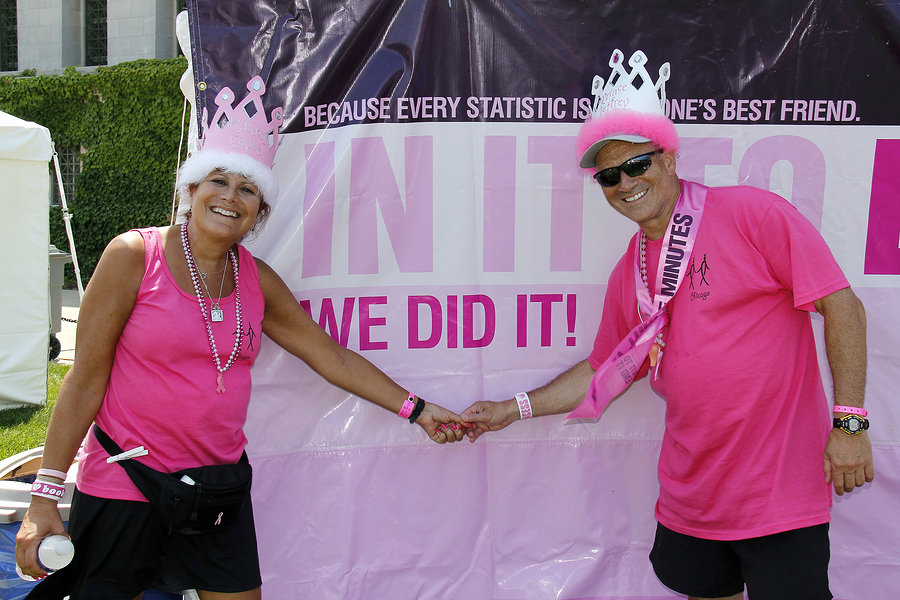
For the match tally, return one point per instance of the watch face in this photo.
(851, 424)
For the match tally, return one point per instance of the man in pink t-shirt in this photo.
(711, 300)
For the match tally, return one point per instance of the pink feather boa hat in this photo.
(627, 126)
(626, 113)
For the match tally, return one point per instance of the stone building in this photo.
(49, 35)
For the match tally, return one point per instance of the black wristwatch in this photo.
(420, 405)
(851, 424)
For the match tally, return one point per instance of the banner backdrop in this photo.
(432, 217)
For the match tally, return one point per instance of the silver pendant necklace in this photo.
(215, 311)
(239, 335)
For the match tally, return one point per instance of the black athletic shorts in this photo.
(122, 548)
(792, 565)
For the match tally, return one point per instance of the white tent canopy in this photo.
(25, 150)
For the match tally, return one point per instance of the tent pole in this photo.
(67, 217)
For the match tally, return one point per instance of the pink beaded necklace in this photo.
(658, 343)
(195, 278)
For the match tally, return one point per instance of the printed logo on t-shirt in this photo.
(249, 336)
(697, 279)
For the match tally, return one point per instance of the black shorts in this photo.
(122, 548)
(783, 566)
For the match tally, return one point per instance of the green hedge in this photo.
(127, 120)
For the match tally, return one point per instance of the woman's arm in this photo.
(105, 308)
(289, 326)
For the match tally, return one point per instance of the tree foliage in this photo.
(127, 121)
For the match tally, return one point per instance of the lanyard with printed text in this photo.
(619, 370)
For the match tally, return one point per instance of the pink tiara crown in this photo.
(627, 113)
(620, 91)
(243, 129)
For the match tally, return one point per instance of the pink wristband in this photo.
(46, 489)
(52, 473)
(851, 410)
(524, 404)
(408, 405)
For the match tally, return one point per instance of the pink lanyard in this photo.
(619, 370)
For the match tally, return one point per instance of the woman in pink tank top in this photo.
(163, 358)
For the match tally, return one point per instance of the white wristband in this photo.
(524, 404)
(52, 473)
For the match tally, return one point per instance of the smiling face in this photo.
(647, 199)
(225, 204)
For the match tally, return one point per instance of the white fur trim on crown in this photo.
(202, 163)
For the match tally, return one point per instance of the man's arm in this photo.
(562, 395)
(848, 458)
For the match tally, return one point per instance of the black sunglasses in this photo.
(632, 167)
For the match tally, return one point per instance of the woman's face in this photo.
(225, 204)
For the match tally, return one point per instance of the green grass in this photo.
(25, 427)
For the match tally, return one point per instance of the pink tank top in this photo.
(162, 388)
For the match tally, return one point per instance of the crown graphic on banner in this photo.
(620, 92)
(244, 128)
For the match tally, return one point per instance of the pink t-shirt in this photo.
(747, 418)
(162, 388)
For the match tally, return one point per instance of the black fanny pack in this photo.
(192, 501)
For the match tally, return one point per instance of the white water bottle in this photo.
(54, 553)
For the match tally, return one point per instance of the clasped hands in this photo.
(444, 426)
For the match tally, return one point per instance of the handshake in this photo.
(561, 396)
(444, 426)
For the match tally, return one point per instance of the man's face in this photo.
(647, 199)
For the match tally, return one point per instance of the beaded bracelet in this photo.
(48, 489)
(420, 405)
(851, 410)
(408, 405)
(524, 404)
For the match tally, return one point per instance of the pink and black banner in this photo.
(433, 217)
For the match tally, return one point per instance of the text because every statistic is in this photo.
(510, 108)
